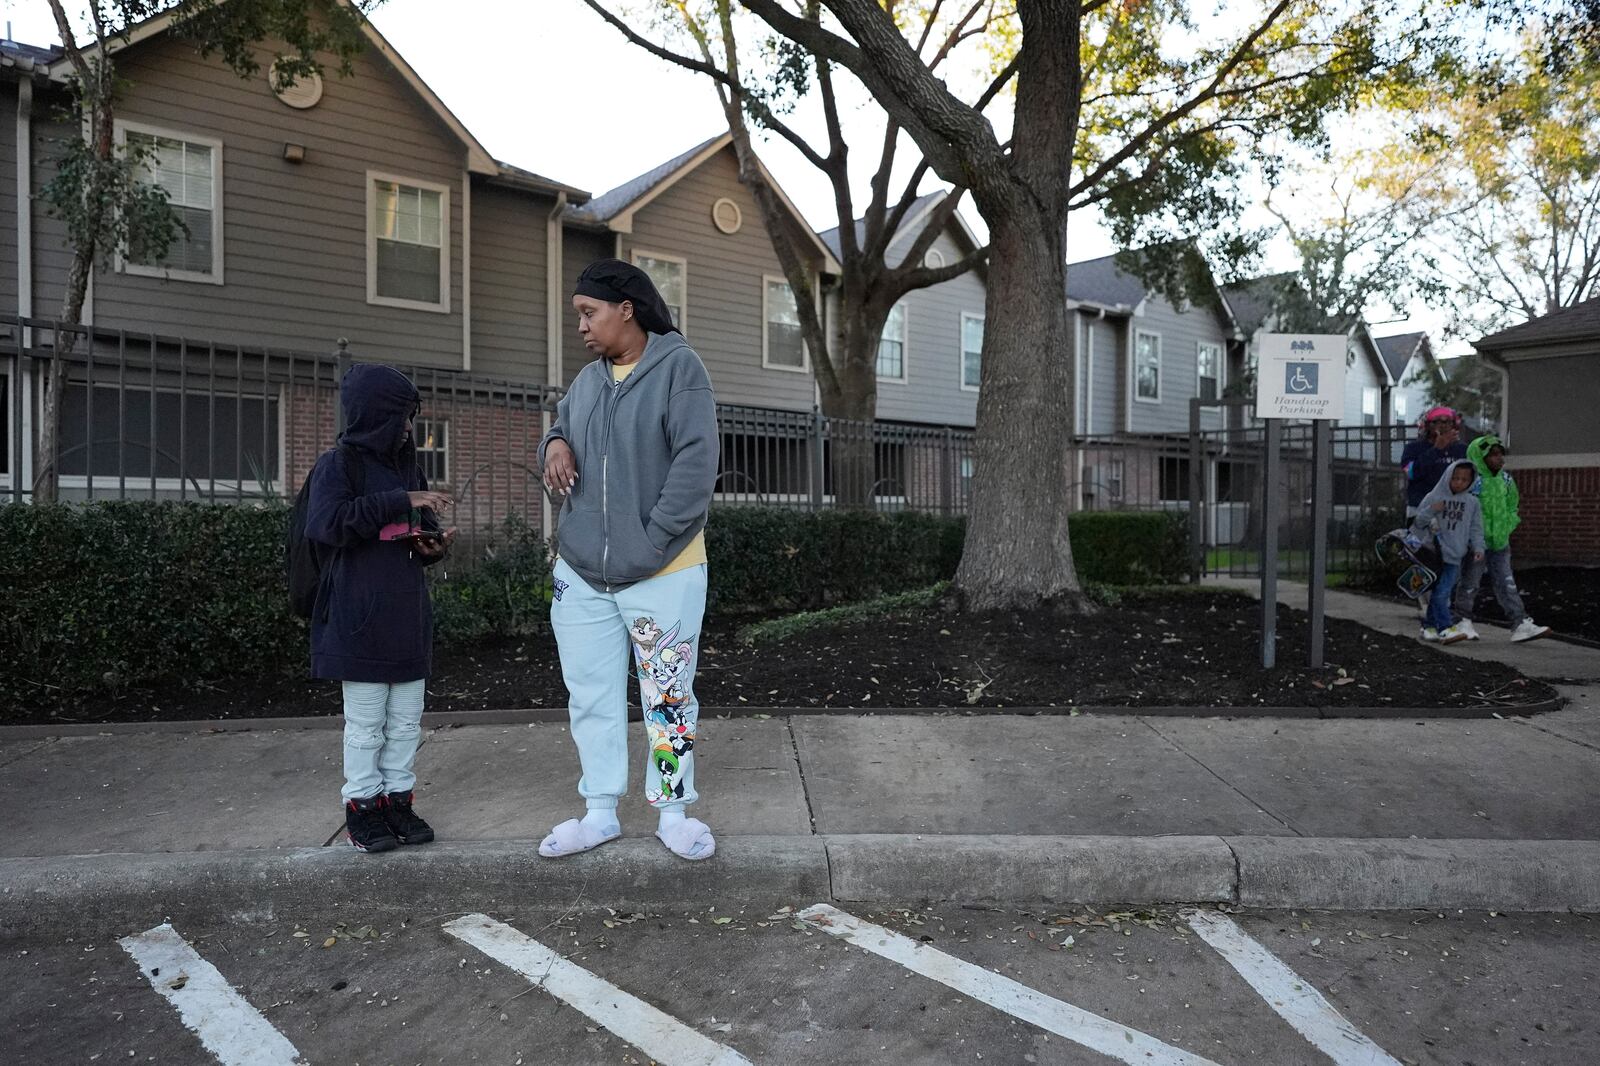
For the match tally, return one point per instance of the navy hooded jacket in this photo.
(1423, 465)
(373, 620)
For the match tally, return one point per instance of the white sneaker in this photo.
(1453, 635)
(1468, 628)
(1526, 630)
(1430, 635)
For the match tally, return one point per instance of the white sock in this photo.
(603, 820)
(670, 817)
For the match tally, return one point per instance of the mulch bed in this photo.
(1167, 649)
(1561, 597)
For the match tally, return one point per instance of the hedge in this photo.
(1130, 547)
(106, 595)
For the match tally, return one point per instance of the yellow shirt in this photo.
(694, 553)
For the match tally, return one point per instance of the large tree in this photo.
(1159, 116)
(757, 88)
(103, 191)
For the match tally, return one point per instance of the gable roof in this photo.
(615, 208)
(1105, 284)
(1579, 322)
(915, 215)
(1397, 351)
(11, 52)
(479, 161)
(1255, 299)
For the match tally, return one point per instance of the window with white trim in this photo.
(1209, 360)
(408, 243)
(1400, 407)
(892, 345)
(189, 170)
(5, 427)
(971, 350)
(432, 438)
(1371, 400)
(783, 343)
(1147, 367)
(671, 277)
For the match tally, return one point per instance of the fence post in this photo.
(341, 366)
(1321, 506)
(1196, 491)
(817, 457)
(1269, 544)
(947, 478)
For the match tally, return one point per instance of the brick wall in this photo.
(1560, 515)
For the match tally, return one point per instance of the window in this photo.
(1114, 472)
(969, 466)
(189, 169)
(971, 350)
(432, 436)
(408, 244)
(191, 436)
(783, 347)
(1371, 398)
(1174, 479)
(1400, 406)
(892, 345)
(670, 275)
(5, 427)
(1147, 367)
(1210, 369)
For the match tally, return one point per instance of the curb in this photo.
(133, 891)
(558, 716)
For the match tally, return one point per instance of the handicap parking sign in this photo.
(1300, 379)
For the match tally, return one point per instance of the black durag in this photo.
(614, 281)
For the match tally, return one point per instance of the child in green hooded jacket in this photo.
(1498, 499)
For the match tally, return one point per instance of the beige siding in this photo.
(509, 267)
(294, 235)
(932, 390)
(724, 313)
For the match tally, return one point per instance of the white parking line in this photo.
(1302, 1006)
(653, 1032)
(228, 1026)
(1074, 1023)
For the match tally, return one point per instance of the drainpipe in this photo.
(22, 465)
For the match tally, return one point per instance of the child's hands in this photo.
(433, 549)
(436, 501)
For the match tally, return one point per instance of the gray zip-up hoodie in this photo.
(1454, 518)
(646, 451)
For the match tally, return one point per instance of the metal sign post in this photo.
(1299, 376)
(1321, 505)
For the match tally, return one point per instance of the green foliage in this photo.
(109, 203)
(882, 607)
(506, 594)
(113, 594)
(1130, 547)
(761, 558)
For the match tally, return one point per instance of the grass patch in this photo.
(776, 629)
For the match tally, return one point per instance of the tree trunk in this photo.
(47, 482)
(1017, 554)
(853, 404)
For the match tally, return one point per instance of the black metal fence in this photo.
(146, 416)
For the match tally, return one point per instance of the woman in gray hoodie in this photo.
(633, 454)
(1451, 514)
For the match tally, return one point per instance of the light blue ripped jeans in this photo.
(382, 730)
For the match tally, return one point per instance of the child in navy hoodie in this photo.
(372, 627)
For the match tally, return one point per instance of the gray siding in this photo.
(1101, 382)
(579, 249)
(724, 314)
(509, 267)
(1359, 374)
(51, 256)
(1552, 404)
(1181, 333)
(294, 235)
(932, 390)
(8, 198)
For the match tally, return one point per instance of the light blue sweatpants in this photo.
(382, 729)
(659, 620)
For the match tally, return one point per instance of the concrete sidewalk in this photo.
(1499, 813)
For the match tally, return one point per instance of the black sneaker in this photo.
(366, 826)
(404, 822)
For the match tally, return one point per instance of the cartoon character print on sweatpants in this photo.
(664, 668)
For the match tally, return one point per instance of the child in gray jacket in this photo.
(1452, 515)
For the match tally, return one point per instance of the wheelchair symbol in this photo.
(1300, 378)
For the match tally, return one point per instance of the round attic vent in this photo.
(727, 217)
(934, 259)
(305, 92)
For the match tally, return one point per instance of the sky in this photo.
(555, 90)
